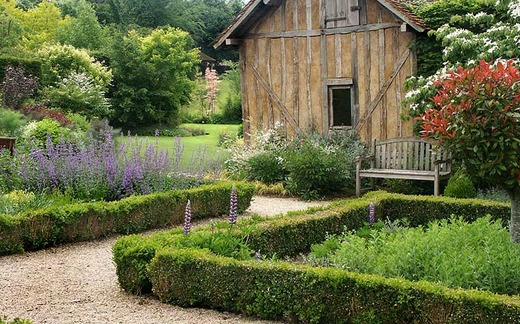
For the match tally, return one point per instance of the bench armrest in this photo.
(360, 158)
(442, 161)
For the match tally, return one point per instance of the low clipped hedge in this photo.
(281, 290)
(79, 222)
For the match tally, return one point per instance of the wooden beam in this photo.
(330, 31)
(233, 41)
(273, 3)
(275, 99)
(370, 109)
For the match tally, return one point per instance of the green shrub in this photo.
(78, 93)
(40, 228)
(17, 201)
(39, 131)
(476, 255)
(314, 172)
(460, 186)
(16, 320)
(11, 122)
(266, 167)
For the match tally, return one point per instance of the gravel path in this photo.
(76, 283)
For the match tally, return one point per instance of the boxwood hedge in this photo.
(78, 222)
(185, 276)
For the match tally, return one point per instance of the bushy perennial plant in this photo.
(310, 166)
(453, 252)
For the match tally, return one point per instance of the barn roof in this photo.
(254, 9)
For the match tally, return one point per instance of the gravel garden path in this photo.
(76, 283)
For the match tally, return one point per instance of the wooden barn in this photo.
(325, 64)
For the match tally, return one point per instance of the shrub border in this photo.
(86, 221)
(280, 290)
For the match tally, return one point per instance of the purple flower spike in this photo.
(371, 214)
(187, 219)
(233, 206)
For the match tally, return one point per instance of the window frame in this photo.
(332, 85)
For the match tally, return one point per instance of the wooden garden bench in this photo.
(405, 158)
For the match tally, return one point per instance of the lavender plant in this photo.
(101, 169)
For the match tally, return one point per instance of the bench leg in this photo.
(436, 181)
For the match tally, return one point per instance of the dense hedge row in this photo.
(297, 293)
(45, 227)
(280, 290)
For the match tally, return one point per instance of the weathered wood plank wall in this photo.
(291, 53)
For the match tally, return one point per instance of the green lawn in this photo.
(193, 143)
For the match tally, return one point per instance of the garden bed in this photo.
(191, 276)
(85, 221)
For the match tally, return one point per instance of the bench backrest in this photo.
(410, 153)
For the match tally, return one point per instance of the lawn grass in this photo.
(194, 143)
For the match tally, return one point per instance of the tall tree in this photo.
(476, 116)
(152, 76)
(84, 30)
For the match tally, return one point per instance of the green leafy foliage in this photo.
(152, 76)
(460, 186)
(279, 290)
(84, 30)
(59, 61)
(78, 93)
(16, 320)
(11, 122)
(266, 167)
(311, 166)
(474, 255)
(477, 118)
(38, 132)
(36, 229)
(315, 171)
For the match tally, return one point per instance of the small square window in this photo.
(340, 106)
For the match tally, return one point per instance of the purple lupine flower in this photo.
(371, 214)
(233, 206)
(187, 219)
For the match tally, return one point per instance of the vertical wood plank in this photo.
(416, 156)
(363, 12)
(421, 156)
(283, 94)
(381, 58)
(355, 78)
(270, 112)
(324, 68)
(367, 67)
(405, 155)
(427, 157)
(259, 106)
(398, 95)
(296, 70)
(337, 55)
(308, 7)
(244, 89)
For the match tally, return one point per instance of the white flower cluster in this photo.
(514, 9)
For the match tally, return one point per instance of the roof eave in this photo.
(241, 16)
(402, 16)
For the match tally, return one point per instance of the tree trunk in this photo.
(514, 226)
